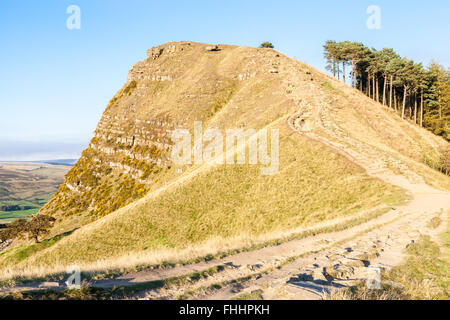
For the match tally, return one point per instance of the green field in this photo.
(32, 204)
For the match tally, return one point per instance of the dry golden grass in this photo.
(372, 124)
(207, 210)
(361, 292)
(225, 208)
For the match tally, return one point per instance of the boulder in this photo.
(155, 53)
(319, 275)
(339, 271)
(212, 48)
(353, 262)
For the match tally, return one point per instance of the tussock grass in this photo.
(361, 292)
(434, 222)
(425, 273)
(254, 295)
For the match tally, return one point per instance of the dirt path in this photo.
(360, 252)
(305, 268)
(321, 262)
(352, 259)
(325, 261)
(378, 242)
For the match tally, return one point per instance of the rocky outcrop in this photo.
(212, 48)
(177, 84)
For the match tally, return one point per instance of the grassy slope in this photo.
(375, 126)
(316, 186)
(228, 207)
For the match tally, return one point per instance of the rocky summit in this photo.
(177, 84)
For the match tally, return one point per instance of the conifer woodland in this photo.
(417, 93)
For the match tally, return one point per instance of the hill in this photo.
(126, 204)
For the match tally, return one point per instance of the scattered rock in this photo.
(339, 271)
(232, 265)
(367, 256)
(49, 284)
(352, 262)
(412, 242)
(319, 275)
(255, 267)
(334, 256)
(212, 48)
(4, 245)
(155, 53)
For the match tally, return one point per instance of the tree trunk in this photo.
(338, 71)
(415, 108)
(373, 87)
(421, 108)
(404, 102)
(395, 100)
(384, 90)
(353, 74)
(369, 90)
(390, 94)
(343, 71)
(378, 94)
(361, 81)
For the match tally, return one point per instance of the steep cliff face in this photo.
(177, 84)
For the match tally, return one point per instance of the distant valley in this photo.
(26, 186)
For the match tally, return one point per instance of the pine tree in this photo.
(424, 94)
(374, 70)
(341, 52)
(406, 78)
(437, 113)
(384, 58)
(331, 56)
(393, 68)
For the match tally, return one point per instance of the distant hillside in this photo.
(60, 162)
(30, 151)
(25, 187)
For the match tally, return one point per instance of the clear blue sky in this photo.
(55, 82)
